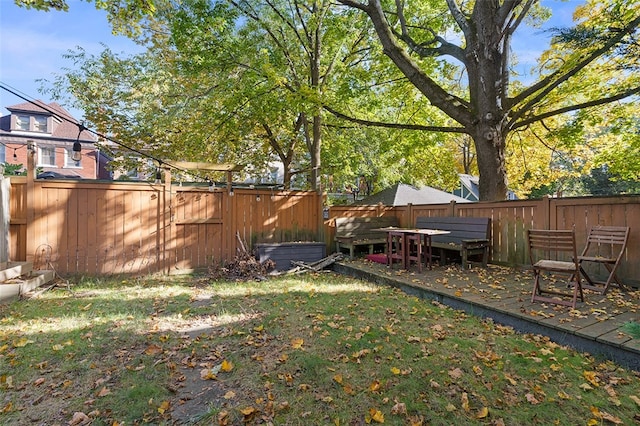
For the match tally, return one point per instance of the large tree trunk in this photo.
(491, 164)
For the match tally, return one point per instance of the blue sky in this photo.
(32, 43)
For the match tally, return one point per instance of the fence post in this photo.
(452, 208)
(30, 202)
(546, 212)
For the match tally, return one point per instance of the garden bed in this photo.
(283, 253)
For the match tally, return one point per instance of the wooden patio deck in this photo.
(504, 294)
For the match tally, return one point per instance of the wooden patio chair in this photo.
(605, 246)
(554, 251)
(396, 248)
(414, 250)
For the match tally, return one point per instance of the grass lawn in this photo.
(300, 350)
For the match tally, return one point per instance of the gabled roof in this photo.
(66, 126)
(402, 194)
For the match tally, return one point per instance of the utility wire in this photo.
(82, 127)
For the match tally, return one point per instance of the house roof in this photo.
(66, 126)
(402, 194)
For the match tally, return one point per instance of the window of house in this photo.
(22, 122)
(46, 156)
(40, 124)
(68, 161)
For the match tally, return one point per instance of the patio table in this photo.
(407, 234)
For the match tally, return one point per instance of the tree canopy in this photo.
(372, 87)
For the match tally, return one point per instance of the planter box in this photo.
(283, 253)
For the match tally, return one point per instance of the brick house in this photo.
(52, 131)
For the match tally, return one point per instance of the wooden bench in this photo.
(468, 236)
(353, 232)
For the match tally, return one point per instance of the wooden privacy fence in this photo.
(117, 227)
(511, 219)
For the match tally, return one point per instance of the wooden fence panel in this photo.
(511, 219)
(84, 227)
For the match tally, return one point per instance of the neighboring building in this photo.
(52, 131)
(401, 194)
(470, 188)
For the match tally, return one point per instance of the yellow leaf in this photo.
(21, 343)
(230, 395)
(563, 395)
(510, 380)
(7, 408)
(591, 377)
(348, 389)
(376, 415)
(483, 413)
(374, 386)
(337, 378)
(593, 422)
(57, 347)
(164, 406)
(465, 401)
(207, 374)
(585, 386)
(258, 328)
(395, 370)
(458, 293)
(477, 370)
(451, 407)
(226, 366)
(248, 411)
(297, 343)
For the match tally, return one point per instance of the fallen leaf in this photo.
(248, 411)
(395, 370)
(226, 366)
(532, 399)
(207, 374)
(399, 408)
(483, 413)
(153, 350)
(230, 395)
(297, 343)
(21, 343)
(164, 407)
(103, 392)
(465, 401)
(591, 377)
(374, 386)
(79, 418)
(456, 373)
(376, 415)
(635, 399)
